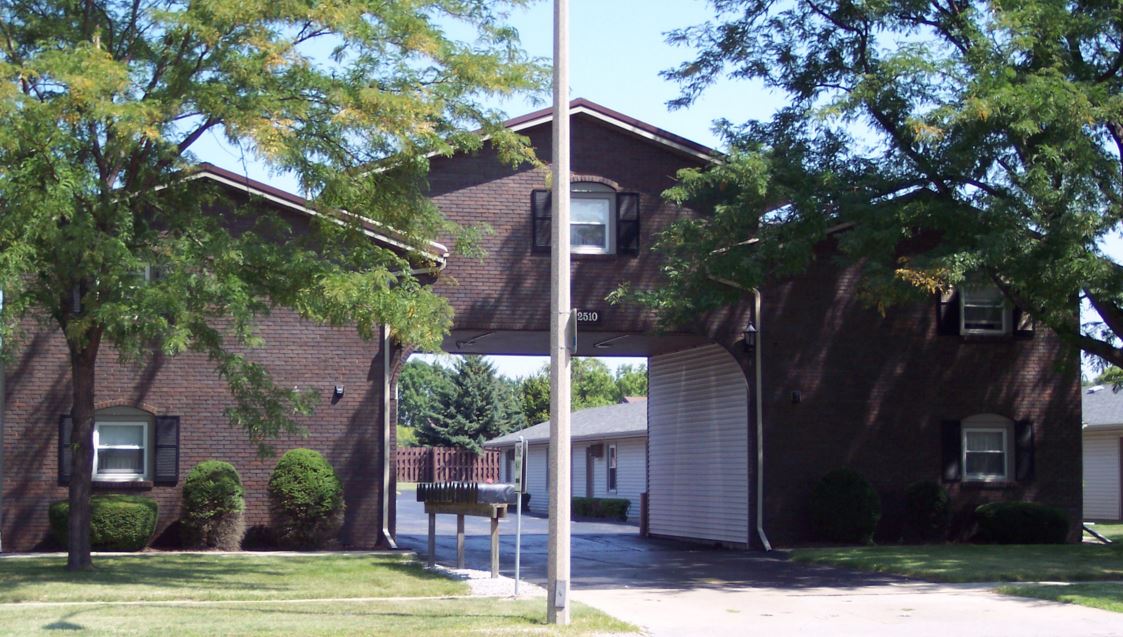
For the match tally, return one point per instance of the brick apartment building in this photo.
(961, 390)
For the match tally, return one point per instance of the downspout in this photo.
(759, 409)
(384, 334)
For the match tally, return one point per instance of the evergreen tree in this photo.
(469, 412)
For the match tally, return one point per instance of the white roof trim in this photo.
(619, 124)
(439, 257)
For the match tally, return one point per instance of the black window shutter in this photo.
(1023, 450)
(540, 220)
(65, 452)
(952, 448)
(167, 449)
(1022, 323)
(947, 314)
(627, 223)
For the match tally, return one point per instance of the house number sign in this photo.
(588, 317)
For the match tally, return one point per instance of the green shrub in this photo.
(604, 508)
(213, 505)
(117, 522)
(844, 508)
(305, 500)
(927, 507)
(1021, 523)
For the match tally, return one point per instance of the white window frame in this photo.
(985, 424)
(121, 477)
(964, 304)
(596, 191)
(612, 464)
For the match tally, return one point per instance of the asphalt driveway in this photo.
(673, 588)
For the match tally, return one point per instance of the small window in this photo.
(591, 216)
(986, 449)
(121, 444)
(983, 311)
(120, 450)
(612, 468)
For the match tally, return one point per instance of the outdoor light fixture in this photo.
(338, 392)
(750, 336)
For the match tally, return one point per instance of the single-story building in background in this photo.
(1103, 448)
(609, 455)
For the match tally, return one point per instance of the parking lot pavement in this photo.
(674, 589)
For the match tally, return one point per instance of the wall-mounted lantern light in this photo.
(750, 336)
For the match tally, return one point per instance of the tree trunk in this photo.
(83, 360)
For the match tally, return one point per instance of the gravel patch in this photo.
(482, 584)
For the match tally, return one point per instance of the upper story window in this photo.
(983, 310)
(602, 221)
(592, 219)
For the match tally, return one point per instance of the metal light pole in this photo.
(557, 598)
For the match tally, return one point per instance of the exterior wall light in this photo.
(750, 337)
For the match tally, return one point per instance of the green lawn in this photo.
(1113, 532)
(1101, 595)
(978, 563)
(246, 595)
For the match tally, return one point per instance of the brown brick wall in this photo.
(348, 433)
(875, 390)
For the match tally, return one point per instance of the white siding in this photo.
(631, 473)
(1101, 476)
(536, 460)
(697, 410)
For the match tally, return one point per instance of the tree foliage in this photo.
(593, 385)
(981, 139)
(477, 406)
(101, 104)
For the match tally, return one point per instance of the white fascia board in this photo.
(439, 257)
(635, 130)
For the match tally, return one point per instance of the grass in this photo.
(1113, 532)
(977, 562)
(1101, 595)
(262, 595)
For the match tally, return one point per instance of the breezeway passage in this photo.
(672, 588)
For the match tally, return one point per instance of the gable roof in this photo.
(626, 420)
(630, 125)
(380, 232)
(1102, 407)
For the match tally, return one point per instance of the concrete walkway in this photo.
(673, 589)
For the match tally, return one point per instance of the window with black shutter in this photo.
(602, 221)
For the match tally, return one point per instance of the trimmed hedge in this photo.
(1021, 523)
(927, 510)
(604, 508)
(845, 508)
(305, 500)
(213, 504)
(117, 522)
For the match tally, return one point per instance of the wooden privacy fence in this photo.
(444, 464)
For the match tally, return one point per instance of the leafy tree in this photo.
(593, 386)
(631, 381)
(473, 410)
(1111, 376)
(419, 385)
(100, 105)
(535, 393)
(984, 136)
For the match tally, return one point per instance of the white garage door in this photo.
(698, 446)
